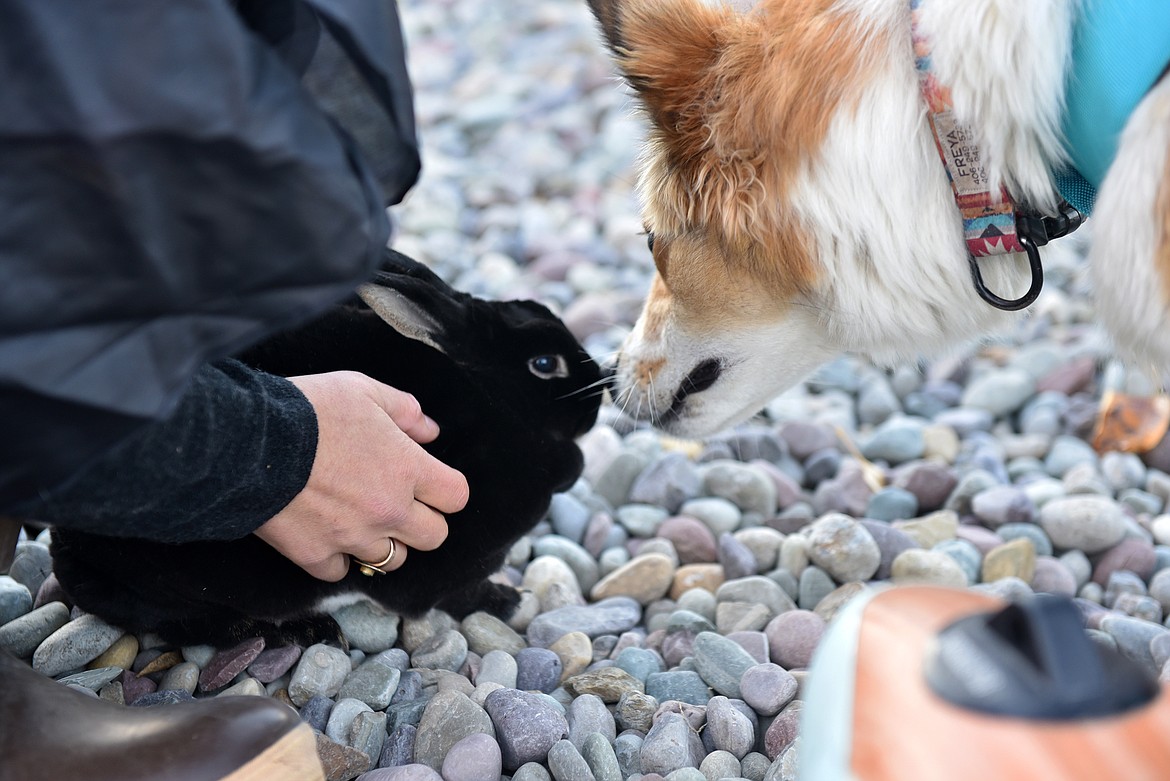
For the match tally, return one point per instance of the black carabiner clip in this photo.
(1012, 304)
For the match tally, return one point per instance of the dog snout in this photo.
(609, 376)
(701, 377)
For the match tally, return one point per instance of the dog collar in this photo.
(992, 223)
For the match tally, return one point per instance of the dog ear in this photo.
(667, 50)
(608, 15)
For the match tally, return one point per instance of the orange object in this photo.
(890, 723)
(1131, 424)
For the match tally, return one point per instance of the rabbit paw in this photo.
(495, 598)
(311, 630)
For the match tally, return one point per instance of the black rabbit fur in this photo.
(509, 429)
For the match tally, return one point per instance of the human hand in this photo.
(371, 480)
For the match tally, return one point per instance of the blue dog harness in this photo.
(1120, 50)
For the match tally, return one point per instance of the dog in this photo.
(798, 201)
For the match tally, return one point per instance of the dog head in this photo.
(738, 106)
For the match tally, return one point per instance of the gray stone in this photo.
(497, 667)
(74, 644)
(1000, 392)
(486, 633)
(538, 669)
(843, 548)
(720, 765)
(1133, 637)
(569, 516)
(639, 662)
(965, 554)
(627, 747)
(721, 662)
(31, 565)
(815, 585)
(321, 670)
(15, 599)
(476, 757)
(616, 480)
(580, 561)
(667, 483)
(737, 560)
(448, 718)
(182, 677)
(531, 771)
(1087, 523)
(1030, 532)
(767, 688)
(635, 710)
(729, 729)
(892, 504)
(341, 719)
(91, 679)
(756, 588)
(640, 520)
(718, 514)
(896, 441)
(446, 650)
(608, 616)
(682, 685)
(588, 715)
(367, 626)
(22, 635)
(671, 744)
(876, 401)
(746, 486)
(597, 751)
(373, 682)
(565, 763)
(527, 725)
(1002, 504)
(1067, 452)
(315, 712)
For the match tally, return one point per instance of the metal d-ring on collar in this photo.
(1033, 231)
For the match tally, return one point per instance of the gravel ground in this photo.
(678, 591)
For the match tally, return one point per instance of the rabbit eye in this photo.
(546, 367)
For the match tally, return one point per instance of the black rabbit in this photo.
(510, 388)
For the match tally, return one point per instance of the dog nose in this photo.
(609, 375)
(701, 377)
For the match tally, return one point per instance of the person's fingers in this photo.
(404, 409)
(390, 559)
(379, 552)
(421, 529)
(441, 487)
(332, 568)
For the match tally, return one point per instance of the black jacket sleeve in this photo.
(171, 191)
(238, 448)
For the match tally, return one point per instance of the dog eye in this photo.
(546, 367)
(650, 240)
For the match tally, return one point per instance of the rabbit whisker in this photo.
(601, 383)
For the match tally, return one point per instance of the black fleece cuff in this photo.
(239, 447)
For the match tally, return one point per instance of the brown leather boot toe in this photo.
(48, 731)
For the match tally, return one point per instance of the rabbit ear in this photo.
(405, 316)
(414, 300)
